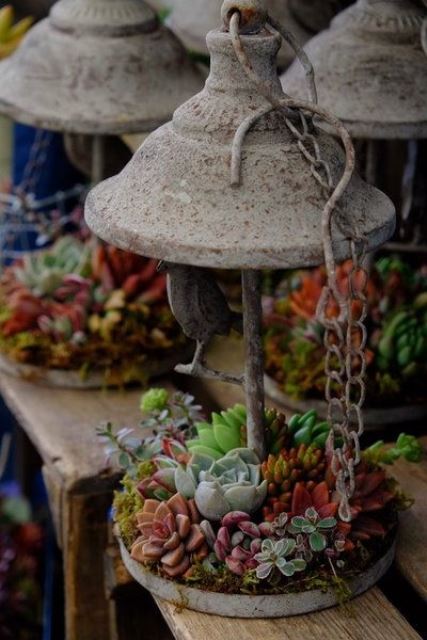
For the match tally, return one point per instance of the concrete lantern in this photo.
(174, 201)
(371, 70)
(97, 67)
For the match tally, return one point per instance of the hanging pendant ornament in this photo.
(371, 70)
(239, 179)
(191, 24)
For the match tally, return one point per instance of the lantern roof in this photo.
(174, 200)
(371, 70)
(97, 67)
(192, 26)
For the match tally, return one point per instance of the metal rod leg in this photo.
(254, 371)
(98, 159)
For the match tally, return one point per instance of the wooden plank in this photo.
(55, 493)
(61, 424)
(369, 617)
(128, 600)
(411, 556)
(87, 610)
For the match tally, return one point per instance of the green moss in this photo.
(127, 503)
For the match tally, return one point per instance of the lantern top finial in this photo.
(252, 14)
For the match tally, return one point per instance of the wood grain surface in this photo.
(369, 617)
(411, 556)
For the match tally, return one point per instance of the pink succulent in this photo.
(171, 536)
(237, 542)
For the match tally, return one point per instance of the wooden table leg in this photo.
(85, 534)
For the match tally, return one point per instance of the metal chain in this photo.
(36, 160)
(345, 335)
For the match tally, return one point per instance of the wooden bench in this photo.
(369, 617)
(411, 556)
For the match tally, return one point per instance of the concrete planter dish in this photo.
(374, 418)
(69, 379)
(242, 606)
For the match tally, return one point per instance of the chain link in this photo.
(345, 334)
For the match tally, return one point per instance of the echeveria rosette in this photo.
(171, 536)
(274, 556)
(232, 483)
(237, 541)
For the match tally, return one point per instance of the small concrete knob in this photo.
(253, 14)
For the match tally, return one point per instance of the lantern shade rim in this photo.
(377, 130)
(174, 201)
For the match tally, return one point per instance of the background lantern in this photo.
(97, 69)
(372, 73)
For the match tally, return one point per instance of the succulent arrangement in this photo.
(81, 304)
(198, 506)
(397, 348)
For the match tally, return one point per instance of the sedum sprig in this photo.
(407, 447)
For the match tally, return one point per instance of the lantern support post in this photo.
(254, 367)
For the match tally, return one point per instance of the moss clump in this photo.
(128, 502)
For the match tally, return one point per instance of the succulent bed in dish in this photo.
(397, 347)
(199, 508)
(88, 308)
